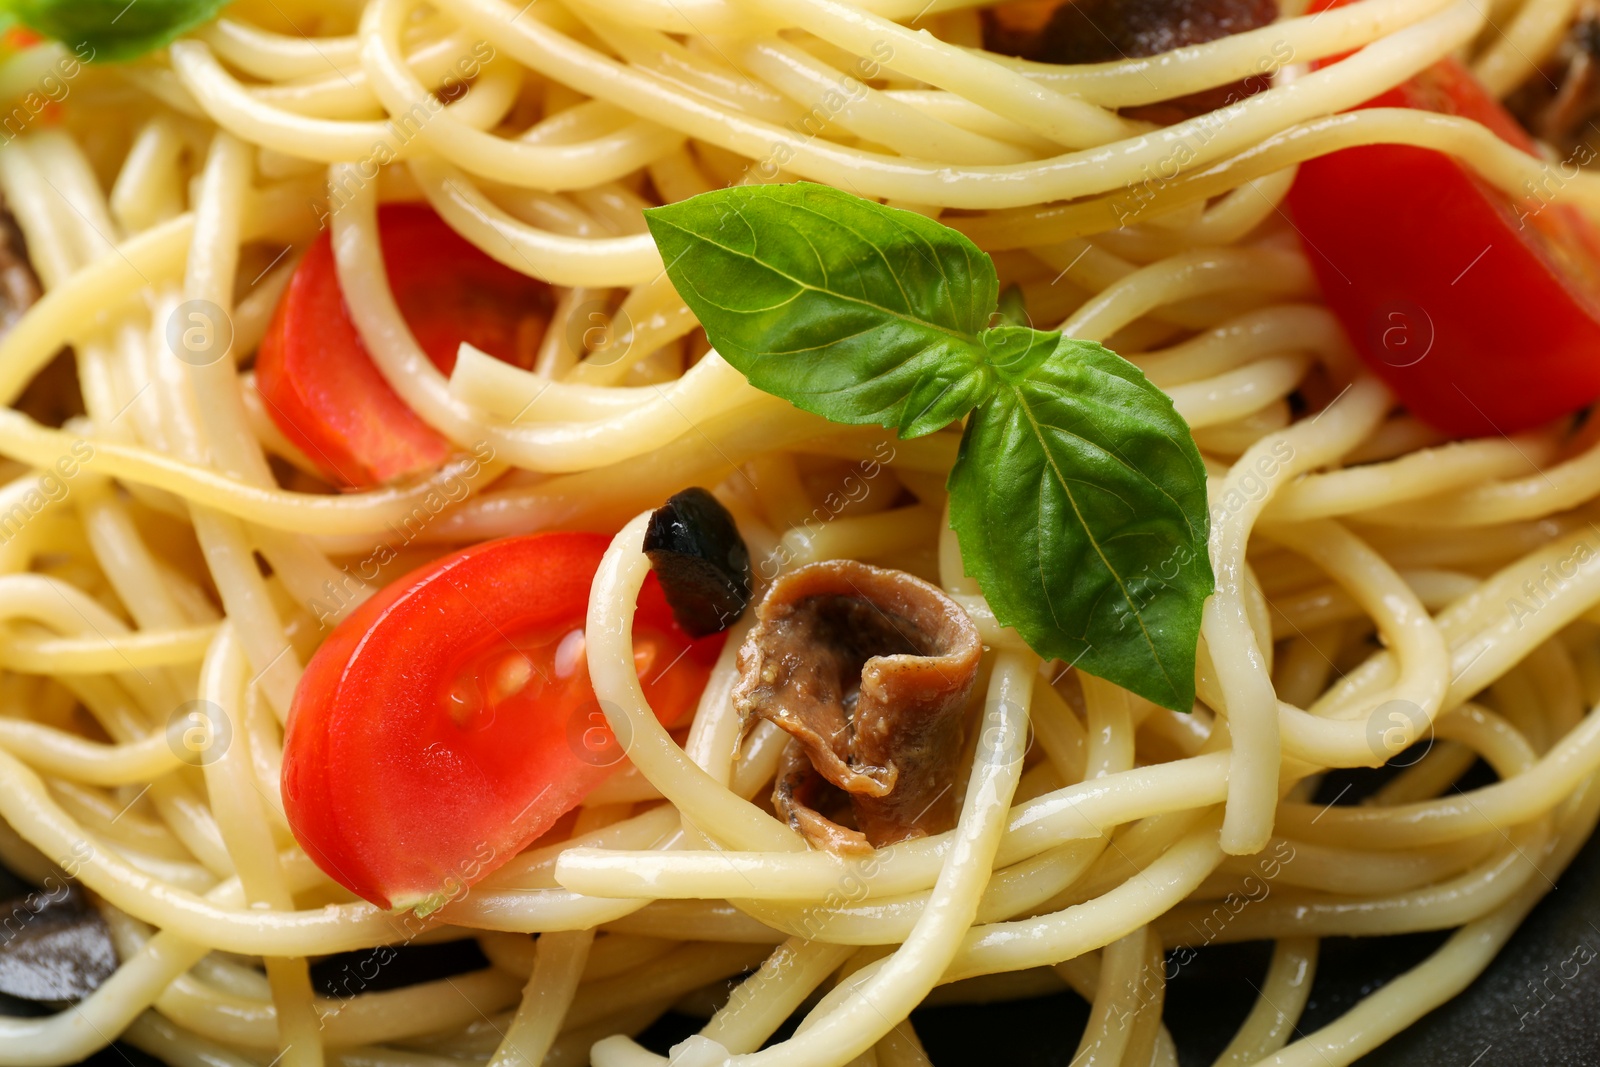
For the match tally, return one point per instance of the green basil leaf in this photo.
(1015, 352)
(845, 308)
(1013, 309)
(1079, 499)
(113, 30)
(1079, 496)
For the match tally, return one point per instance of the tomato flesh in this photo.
(1483, 314)
(318, 381)
(20, 38)
(450, 721)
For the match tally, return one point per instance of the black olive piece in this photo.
(695, 548)
(1100, 31)
(376, 970)
(54, 947)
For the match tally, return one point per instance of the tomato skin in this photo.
(1482, 314)
(402, 779)
(320, 384)
(20, 38)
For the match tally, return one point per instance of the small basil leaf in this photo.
(1013, 310)
(1015, 352)
(1080, 502)
(845, 308)
(113, 30)
(937, 400)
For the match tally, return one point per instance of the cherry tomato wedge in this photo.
(449, 721)
(1481, 312)
(20, 38)
(318, 381)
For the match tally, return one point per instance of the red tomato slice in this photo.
(1483, 314)
(20, 38)
(320, 384)
(449, 721)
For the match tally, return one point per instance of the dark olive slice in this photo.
(54, 947)
(1101, 31)
(701, 560)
